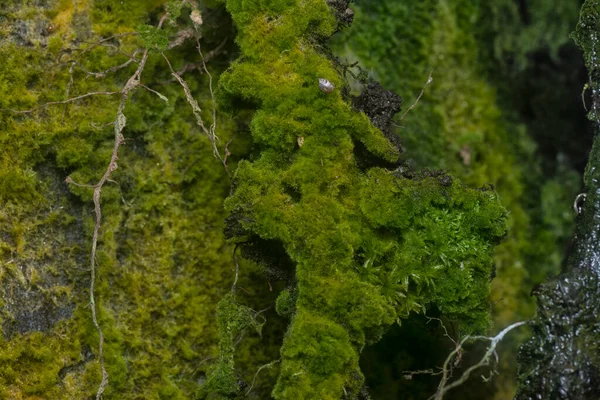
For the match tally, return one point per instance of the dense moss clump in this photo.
(369, 247)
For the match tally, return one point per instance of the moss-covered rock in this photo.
(369, 248)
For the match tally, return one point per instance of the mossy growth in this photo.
(467, 122)
(233, 319)
(461, 124)
(162, 259)
(586, 39)
(369, 247)
(286, 303)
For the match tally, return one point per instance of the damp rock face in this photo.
(23, 28)
(562, 359)
(30, 311)
(44, 246)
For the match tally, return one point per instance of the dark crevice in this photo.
(524, 12)
(271, 256)
(554, 113)
(366, 160)
(292, 192)
(86, 356)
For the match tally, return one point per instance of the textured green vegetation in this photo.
(369, 248)
(233, 320)
(587, 40)
(460, 125)
(349, 247)
(162, 255)
(517, 30)
(466, 122)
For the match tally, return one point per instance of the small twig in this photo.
(237, 268)
(102, 42)
(409, 374)
(186, 68)
(119, 50)
(102, 74)
(258, 371)
(447, 372)
(429, 319)
(70, 181)
(181, 37)
(446, 334)
(227, 152)
(429, 80)
(200, 363)
(85, 70)
(216, 51)
(239, 339)
(258, 313)
(160, 95)
(99, 127)
(128, 204)
(213, 126)
(118, 35)
(71, 100)
(244, 289)
(209, 131)
(197, 66)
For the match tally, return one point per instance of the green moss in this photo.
(154, 39)
(466, 121)
(161, 256)
(233, 319)
(368, 248)
(460, 124)
(516, 33)
(31, 365)
(286, 303)
(585, 38)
